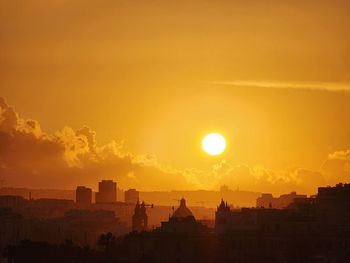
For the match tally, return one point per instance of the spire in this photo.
(137, 207)
(182, 202)
(143, 208)
(223, 206)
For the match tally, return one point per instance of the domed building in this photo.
(182, 211)
(180, 239)
(182, 221)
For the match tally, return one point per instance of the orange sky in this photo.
(273, 76)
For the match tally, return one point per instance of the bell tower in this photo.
(140, 218)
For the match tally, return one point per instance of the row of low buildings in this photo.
(310, 230)
(56, 220)
(107, 194)
(281, 202)
(45, 208)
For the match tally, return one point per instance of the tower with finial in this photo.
(222, 216)
(140, 218)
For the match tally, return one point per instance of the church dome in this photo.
(182, 211)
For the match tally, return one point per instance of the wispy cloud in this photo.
(278, 84)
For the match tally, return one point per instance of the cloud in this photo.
(258, 178)
(33, 158)
(337, 166)
(340, 155)
(294, 85)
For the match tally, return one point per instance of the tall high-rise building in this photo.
(83, 195)
(131, 196)
(107, 192)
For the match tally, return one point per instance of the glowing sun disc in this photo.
(214, 144)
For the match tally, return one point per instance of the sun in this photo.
(214, 144)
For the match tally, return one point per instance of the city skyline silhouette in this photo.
(174, 131)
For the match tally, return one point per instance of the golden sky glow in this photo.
(271, 76)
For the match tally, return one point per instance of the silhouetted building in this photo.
(131, 196)
(334, 203)
(338, 195)
(180, 239)
(140, 218)
(310, 230)
(11, 200)
(85, 226)
(182, 221)
(222, 217)
(83, 195)
(268, 201)
(47, 207)
(182, 211)
(107, 192)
